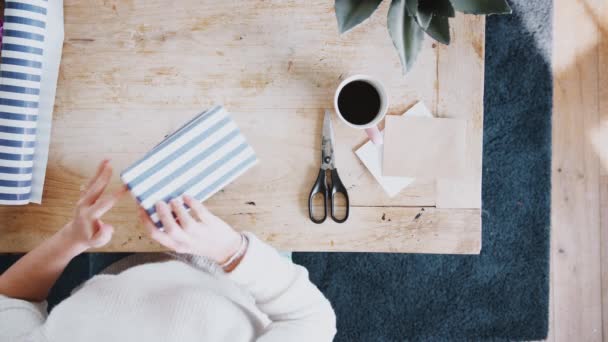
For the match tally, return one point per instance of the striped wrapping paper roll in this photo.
(20, 76)
(199, 159)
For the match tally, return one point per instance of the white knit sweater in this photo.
(266, 298)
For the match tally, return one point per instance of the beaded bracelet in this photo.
(236, 258)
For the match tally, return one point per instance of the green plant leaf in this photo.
(405, 33)
(482, 6)
(351, 13)
(439, 29)
(441, 8)
(424, 19)
(412, 7)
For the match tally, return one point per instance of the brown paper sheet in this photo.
(424, 147)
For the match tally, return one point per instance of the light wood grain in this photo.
(602, 24)
(551, 333)
(467, 46)
(133, 71)
(390, 229)
(603, 295)
(576, 256)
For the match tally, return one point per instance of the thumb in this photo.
(103, 235)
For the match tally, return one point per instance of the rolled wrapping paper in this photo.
(199, 159)
(24, 116)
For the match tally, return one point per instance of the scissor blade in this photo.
(327, 143)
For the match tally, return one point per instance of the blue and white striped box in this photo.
(199, 159)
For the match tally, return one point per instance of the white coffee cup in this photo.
(371, 128)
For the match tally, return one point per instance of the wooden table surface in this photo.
(133, 71)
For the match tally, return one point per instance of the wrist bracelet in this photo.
(235, 259)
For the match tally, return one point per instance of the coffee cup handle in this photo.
(375, 135)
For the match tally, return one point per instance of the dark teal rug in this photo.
(503, 293)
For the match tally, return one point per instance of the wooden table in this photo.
(133, 71)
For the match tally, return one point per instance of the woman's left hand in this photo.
(197, 231)
(87, 230)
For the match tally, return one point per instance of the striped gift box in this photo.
(199, 159)
(20, 75)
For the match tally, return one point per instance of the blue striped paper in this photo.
(20, 76)
(199, 159)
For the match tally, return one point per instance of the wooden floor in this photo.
(579, 267)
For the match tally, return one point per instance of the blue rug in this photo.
(503, 293)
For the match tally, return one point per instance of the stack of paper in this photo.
(424, 147)
(372, 155)
(416, 145)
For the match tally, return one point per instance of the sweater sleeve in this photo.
(297, 309)
(19, 318)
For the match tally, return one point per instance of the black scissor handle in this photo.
(320, 187)
(338, 188)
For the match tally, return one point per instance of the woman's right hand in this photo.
(197, 232)
(86, 230)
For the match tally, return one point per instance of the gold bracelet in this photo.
(236, 258)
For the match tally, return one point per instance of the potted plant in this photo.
(409, 20)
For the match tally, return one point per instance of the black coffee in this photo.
(359, 102)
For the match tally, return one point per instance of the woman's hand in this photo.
(196, 232)
(87, 230)
(32, 277)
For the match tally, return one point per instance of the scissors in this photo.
(328, 185)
